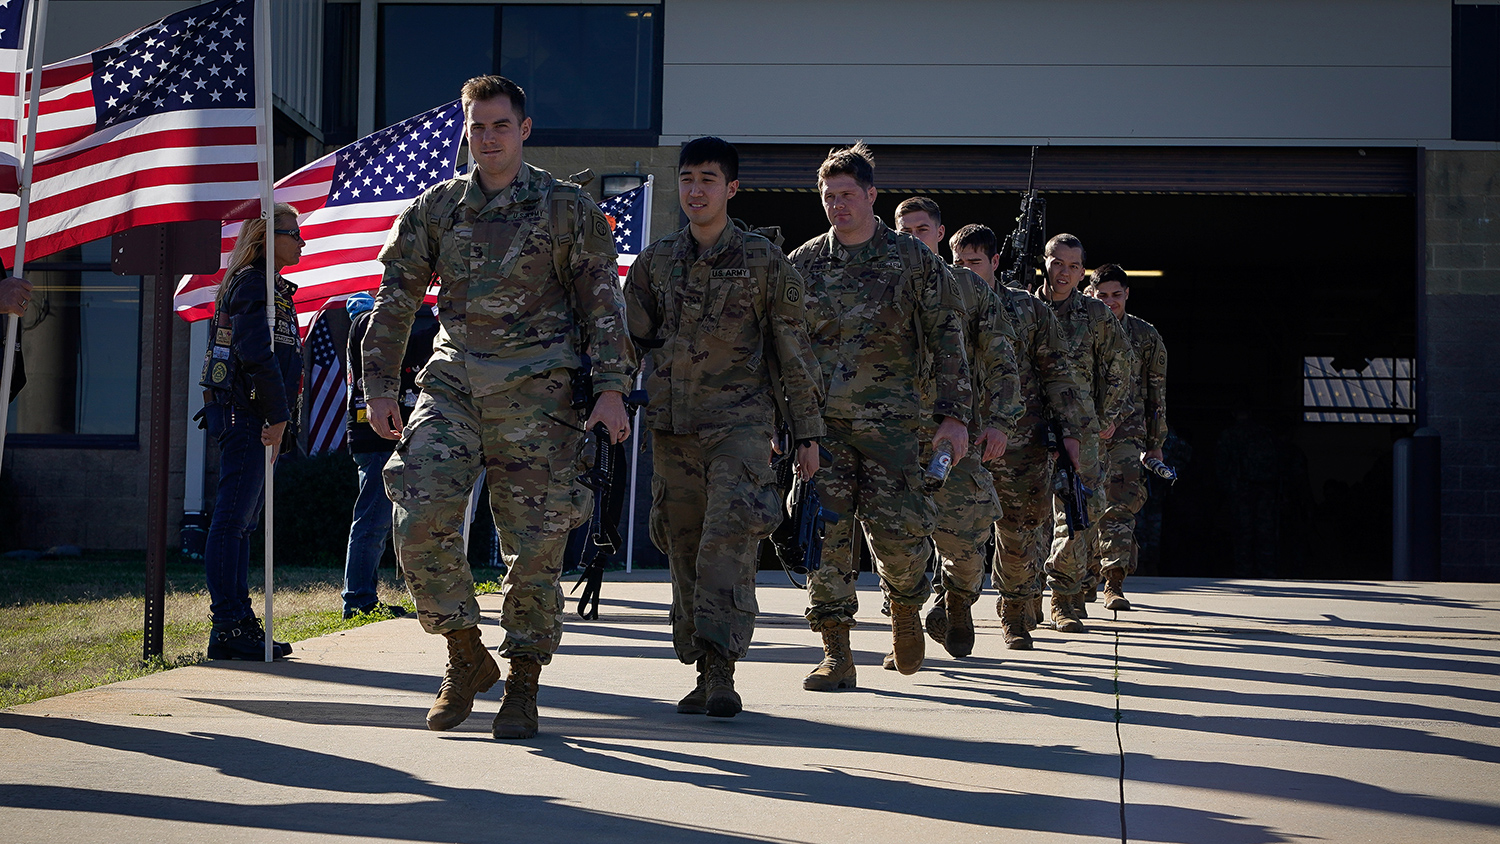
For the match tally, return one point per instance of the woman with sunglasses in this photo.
(252, 376)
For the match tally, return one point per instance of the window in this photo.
(590, 71)
(81, 343)
(1476, 72)
(1381, 392)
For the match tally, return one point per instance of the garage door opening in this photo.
(1269, 306)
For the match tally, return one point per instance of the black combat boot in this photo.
(236, 640)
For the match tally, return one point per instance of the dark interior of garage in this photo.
(1249, 286)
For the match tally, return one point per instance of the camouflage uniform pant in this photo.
(1068, 564)
(1023, 481)
(876, 479)
(713, 498)
(967, 508)
(1125, 494)
(533, 466)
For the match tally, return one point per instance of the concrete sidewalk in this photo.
(1249, 712)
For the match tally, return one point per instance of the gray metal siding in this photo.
(297, 57)
(1066, 71)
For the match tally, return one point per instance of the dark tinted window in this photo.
(427, 52)
(1476, 73)
(81, 341)
(583, 67)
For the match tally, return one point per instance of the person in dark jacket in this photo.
(252, 377)
(370, 528)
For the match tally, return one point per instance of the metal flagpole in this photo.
(635, 427)
(268, 213)
(13, 322)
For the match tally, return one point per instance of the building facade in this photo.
(1306, 192)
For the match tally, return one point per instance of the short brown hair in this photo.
(1108, 272)
(1064, 240)
(915, 204)
(975, 236)
(857, 161)
(482, 88)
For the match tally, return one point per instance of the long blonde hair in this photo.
(251, 245)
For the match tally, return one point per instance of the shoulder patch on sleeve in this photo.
(598, 237)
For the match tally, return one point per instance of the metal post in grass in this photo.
(162, 252)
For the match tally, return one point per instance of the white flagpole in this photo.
(635, 426)
(268, 213)
(13, 322)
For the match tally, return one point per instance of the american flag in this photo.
(629, 216)
(12, 70)
(326, 393)
(159, 126)
(348, 200)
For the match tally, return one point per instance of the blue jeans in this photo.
(368, 533)
(237, 506)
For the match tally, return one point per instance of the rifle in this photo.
(1022, 253)
(604, 533)
(798, 540)
(1067, 486)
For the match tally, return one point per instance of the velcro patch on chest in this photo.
(732, 272)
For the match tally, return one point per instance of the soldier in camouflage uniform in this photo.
(881, 309)
(967, 504)
(1023, 477)
(1140, 436)
(1100, 354)
(527, 279)
(723, 312)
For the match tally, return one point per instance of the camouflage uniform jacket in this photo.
(1050, 388)
(712, 320)
(880, 315)
(505, 313)
(1099, 352)
(992, 339)
(1148, 412)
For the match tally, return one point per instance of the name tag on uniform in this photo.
(734, 272)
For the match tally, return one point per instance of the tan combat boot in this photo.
(696, 701)
(1064, 613)
(836, 671)
(471, 671)
(959, 641)
(907, 644)
(936, 621)
(517, 716)
(1114, 590)
(723, 700)
(1035, 617)
(1013, 624)
(1080, 606)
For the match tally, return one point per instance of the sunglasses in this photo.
(297, 233)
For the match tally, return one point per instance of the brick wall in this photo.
(1463, 353)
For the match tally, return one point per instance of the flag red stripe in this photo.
(121, 185)
(56, 76)
(51, 244)
(166, 139)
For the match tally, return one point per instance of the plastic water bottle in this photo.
(938, 469)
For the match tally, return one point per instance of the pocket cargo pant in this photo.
(532, 464)
(967, 507)
(1023, 481)
(713, 499)
(876, 482)
(1125, 495)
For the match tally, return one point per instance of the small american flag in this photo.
(12, 70)
(327, 393)
(349, 200)
(629, 216)
(159, 126)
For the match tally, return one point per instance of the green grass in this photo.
(72, 624)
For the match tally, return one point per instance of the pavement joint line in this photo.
(1119, 742)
